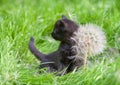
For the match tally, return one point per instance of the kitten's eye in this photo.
(61, 28)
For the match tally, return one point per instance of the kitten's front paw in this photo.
(32, 39)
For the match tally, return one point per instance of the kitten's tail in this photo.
(35, 51)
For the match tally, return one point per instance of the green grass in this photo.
(21, 19)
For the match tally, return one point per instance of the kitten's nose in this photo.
(52, 33)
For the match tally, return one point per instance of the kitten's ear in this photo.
(64, 17)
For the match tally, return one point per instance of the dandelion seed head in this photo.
(90, 40)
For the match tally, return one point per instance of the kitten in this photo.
(62, 58)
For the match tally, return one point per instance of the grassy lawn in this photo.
(21, 19)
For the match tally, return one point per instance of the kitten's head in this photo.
(64, 29)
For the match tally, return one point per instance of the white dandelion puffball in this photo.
(90, 40)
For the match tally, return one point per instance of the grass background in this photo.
(21, 19)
